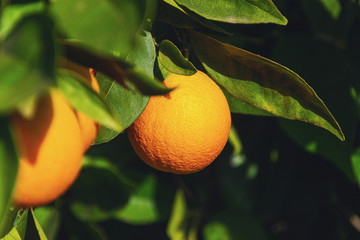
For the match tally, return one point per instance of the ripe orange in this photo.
(185, 130)
(51, 146)
(51, 151)
(89, 128)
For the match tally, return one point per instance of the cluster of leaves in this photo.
(133, 45)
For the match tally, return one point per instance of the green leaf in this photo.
(28, 227)
(116, 69)
(149, 15)
(7, 222)
(175, 5)
(86, 100)
(8, 171)
(355, 162)
(162, 71)
(216, 230)
(27, 60)
(32, 42)
(236, 11)
(172, 59)
(105, 135)
(237, 106)
(141, 207)
(237, 158)
(49, 218)
(176, 228)
(105, 26)
(170, 12)
(143, 54)
(12, 235)
(126, 103)
(38, 227)
(13, 13)
(263, 83)
(146, 84)
(235, 141)
(333, 7)
(99, 191)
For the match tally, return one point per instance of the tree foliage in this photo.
(290, 73)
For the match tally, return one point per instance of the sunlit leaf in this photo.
(176, 228)
(8, 171)
(28, 227)
(39, 229)
(12, 235)
(172, 59)
(236, 11)
(237, 158)
(7, 223)
(333, 7)
(107, 26)
(27, 60)
(86, 100)
(237, 106)
(235, 141)
(216, 230)
(263, 83)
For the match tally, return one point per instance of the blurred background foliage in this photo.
(275, 180)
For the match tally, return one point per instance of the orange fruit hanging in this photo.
(185, 130)
(89, 129)
(51, 147)
(51, 151)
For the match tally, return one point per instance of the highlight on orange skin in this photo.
(50, 149)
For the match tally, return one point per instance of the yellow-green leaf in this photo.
(262, 83)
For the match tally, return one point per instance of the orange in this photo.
(88, 127)
(185, 130)
(51, 150)
(51, 146)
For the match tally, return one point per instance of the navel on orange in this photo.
(185, 130)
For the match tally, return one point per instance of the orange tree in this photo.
(287, 171)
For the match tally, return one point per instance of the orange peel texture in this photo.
(185, 130)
